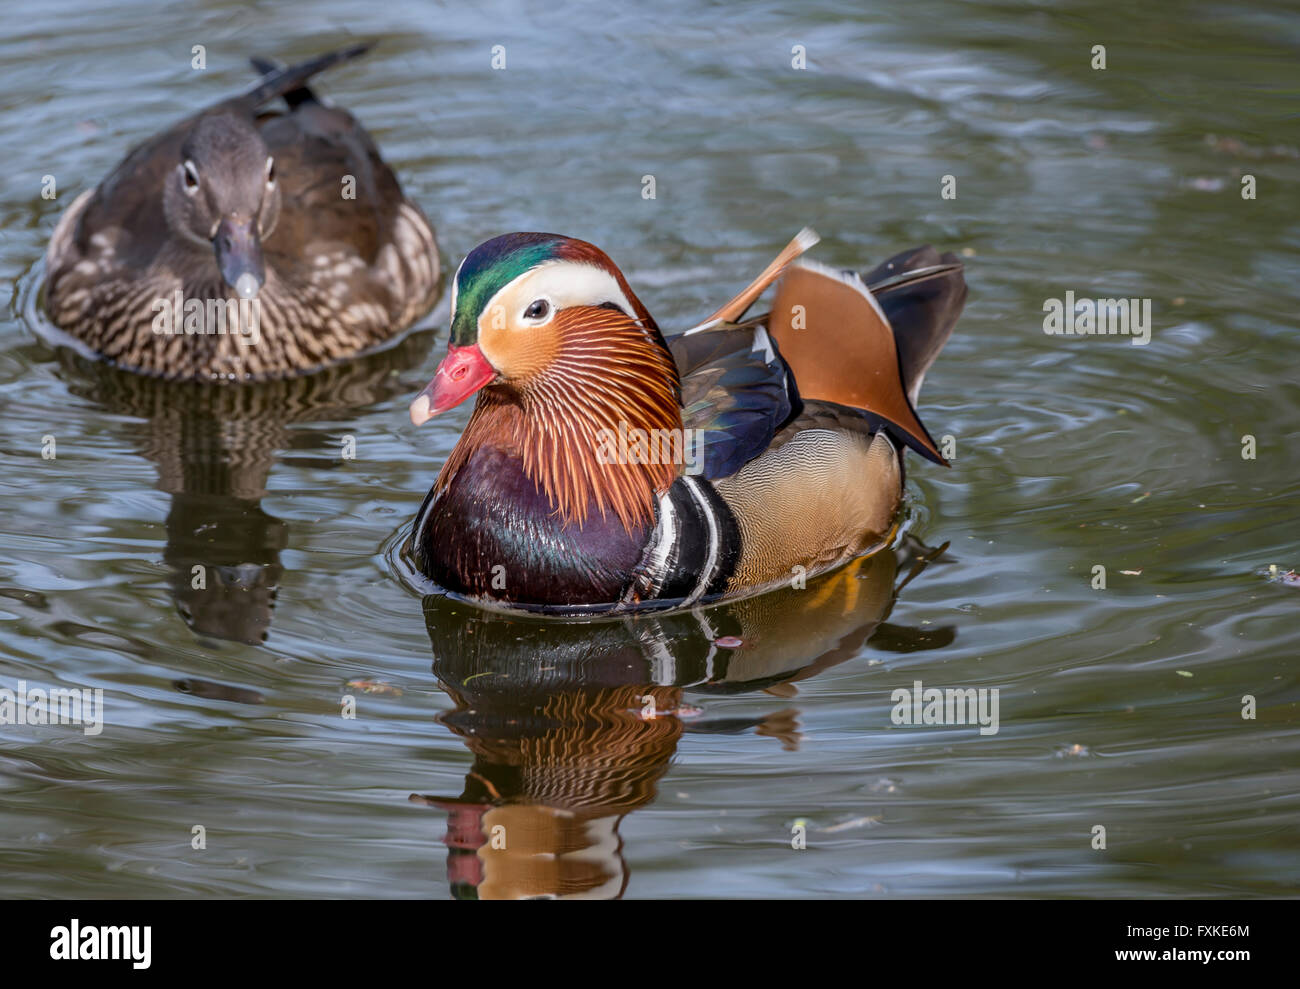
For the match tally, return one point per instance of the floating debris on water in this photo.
(375, 687)
(1232, 146)
(857, 822)
(1290, 578)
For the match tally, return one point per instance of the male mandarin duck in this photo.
(798, 419)
(294, 209)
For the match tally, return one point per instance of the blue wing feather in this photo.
(736, 390)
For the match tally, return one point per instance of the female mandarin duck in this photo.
(236, 202)
(798, 419)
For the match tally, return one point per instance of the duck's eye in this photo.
(270, 171)
(191, 177)
(537, 310)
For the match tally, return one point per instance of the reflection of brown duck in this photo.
(572, 725)
(553, 775)
(214, 447)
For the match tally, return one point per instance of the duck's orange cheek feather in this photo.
(462, 372)
(520, 353)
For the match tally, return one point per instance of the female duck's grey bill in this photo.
(239, 256)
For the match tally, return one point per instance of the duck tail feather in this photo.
(736, 308)
(922, 293)
(290, 81)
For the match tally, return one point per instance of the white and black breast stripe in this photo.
(713, 548)
(660, 557)
(693, 549)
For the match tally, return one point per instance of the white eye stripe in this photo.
(562, 284)
(455, 283)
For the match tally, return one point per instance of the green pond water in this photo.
(641, 758)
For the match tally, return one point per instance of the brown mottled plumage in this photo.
(296, 210)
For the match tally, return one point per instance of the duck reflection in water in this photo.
(572, 725)
(214, 447)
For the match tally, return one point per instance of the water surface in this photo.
(644, 759)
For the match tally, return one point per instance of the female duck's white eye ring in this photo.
(539, 311)
(191, 177)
